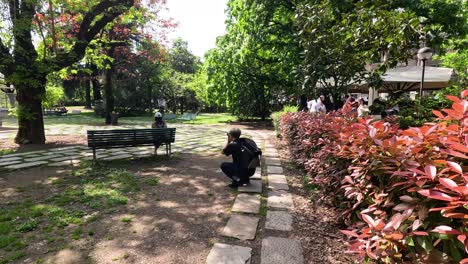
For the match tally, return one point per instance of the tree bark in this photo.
(88, 94)
(149, 95)
(30, 118)
(96, 90)
(109, 93)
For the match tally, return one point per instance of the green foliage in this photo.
(276, 117)
(88, 189)
(53, 96)
(181, 59)
(258, 59)
(458, 61)
(153, 181)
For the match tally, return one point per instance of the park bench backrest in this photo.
(129, 137)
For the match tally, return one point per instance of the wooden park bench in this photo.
(57, 111)
(105, 139)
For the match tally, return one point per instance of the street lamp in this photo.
(424, 54)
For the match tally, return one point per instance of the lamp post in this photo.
(424, 54)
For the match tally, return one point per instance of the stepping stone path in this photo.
(222, 253)
(277, 182)
(275, 250)
(278, 220)
(242, 227)
(255, 186)
(247, 203)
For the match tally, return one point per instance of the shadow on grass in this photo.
(93, 201)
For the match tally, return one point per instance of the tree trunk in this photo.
(88, 94)
(30, 118)
(109, 93)
(96, 90)
(149, 98)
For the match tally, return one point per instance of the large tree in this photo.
(258, 59)
(27, 71)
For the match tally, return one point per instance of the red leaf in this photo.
(457, 146)
(453, 98)
(431, 171)
(421, 183)
(464, 94)
(438, 114)
(455, 166)
(448, 183)
(402, 207)
(420, 233)
(368, 220)
(416, 224)
(408, 199)
(437, 195)
(349, 233)
(456, 154)
(443, 229)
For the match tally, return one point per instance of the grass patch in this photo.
(6, 151)
(152, 181)
(88, 188)
(76, 234)
(263, 206)
(309, 187)
(126, 219)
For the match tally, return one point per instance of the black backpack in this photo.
(251, 153)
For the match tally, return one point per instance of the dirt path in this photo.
(175, 221)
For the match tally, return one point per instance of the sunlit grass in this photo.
(89, 188)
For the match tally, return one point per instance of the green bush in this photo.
(276, 116)
(53, 96)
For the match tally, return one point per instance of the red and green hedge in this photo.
(405, 191)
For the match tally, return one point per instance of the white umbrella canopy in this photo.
(412, 74)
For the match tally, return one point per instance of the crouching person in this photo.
(245, 158)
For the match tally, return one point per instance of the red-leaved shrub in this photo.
(406, 190)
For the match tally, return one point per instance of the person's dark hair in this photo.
(303, 103)
(235, 133)
(352, 99)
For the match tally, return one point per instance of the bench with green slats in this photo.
(106, 139)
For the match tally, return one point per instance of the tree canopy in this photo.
(275, 50)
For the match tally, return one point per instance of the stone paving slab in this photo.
(273, 161)
(277, 250)
(125, 156)
(25, 165)
(242, 227)
(255, 186)
(228, 254)
(280, 199)
(274, 170)
(271, 154)
(277, 182)
(257, 175)
(64, 163)
(247, 203)
(48, 157)
(279, 220)
(66, 158)
(2, 159)
(7, 163)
